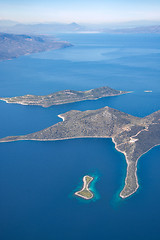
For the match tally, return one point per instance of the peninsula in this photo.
(13, 45)
(133, 136)
(63, 97)
(85, 192)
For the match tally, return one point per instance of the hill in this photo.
(131, 135)
(63, 97)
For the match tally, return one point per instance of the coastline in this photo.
(6, 99)
(85, 186)
(80, 137)
(93, 124)
(128, 163)
(66, 44)
(60, 116)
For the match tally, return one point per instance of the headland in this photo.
(15, 45)
(132, 136)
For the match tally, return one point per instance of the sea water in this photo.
(38, 179)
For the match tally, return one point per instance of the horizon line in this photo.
(79, 22)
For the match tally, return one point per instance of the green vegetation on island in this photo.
(85, 192)
(63, 97)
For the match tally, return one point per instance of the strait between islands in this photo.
(132, 136)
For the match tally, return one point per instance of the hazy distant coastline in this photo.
(13, 45)
(52, 28)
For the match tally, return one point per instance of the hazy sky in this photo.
(81, 11)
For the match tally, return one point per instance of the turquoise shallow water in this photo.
(92, 188)
(38, 179)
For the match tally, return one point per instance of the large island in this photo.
(133, 136)
(63, 97)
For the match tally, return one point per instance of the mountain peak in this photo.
(74, 24)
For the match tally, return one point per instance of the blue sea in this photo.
(38, 179)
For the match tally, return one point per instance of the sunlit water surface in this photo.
(38, 179)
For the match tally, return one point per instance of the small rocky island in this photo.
(85, 192)
(132, 136)
(63, 97)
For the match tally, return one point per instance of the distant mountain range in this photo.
(7, 23)
(40, 28)
(145, 29)
(53, 28)
(12, 45)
